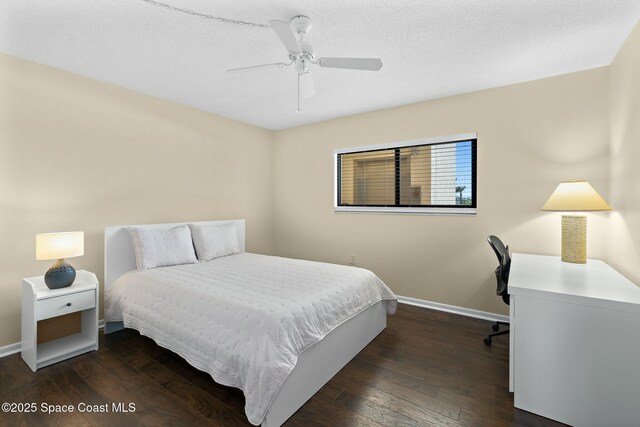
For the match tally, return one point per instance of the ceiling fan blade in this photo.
(368, 64)
(258, 67)
(286, 35)
(307, 89)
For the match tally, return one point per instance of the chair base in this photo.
(496, 327)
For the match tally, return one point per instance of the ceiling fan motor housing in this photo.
(303, 61)
(303, 64)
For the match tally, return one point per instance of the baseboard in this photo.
(14, 348)
(469, 312)
(10, 349)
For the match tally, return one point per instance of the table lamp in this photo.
(59, 246)
(575, 196)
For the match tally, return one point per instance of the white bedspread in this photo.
(244, 318)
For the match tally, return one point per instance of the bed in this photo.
(277, 328)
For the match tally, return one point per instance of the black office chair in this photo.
(502, 279)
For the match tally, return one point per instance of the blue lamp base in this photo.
(60, 275)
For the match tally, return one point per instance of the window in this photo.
(425, 176)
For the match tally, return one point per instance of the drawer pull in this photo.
(52, 307)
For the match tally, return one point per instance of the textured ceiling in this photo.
(430, 49)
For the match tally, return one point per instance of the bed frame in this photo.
(316, 365)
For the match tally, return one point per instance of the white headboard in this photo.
(118, 249)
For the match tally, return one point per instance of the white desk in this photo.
(575, 341)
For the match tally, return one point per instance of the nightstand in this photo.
(39, 303)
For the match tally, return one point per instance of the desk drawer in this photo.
(65, 304)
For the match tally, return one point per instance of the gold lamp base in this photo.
(574, 239)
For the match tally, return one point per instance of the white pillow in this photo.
(215, 240)
(155, 247)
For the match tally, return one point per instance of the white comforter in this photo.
(244, 318)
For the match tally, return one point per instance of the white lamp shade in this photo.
(59, 245)
(575, 196)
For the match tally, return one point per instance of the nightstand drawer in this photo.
(57, 306)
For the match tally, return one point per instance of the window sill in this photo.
(410, 211)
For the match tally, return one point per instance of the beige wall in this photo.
(80, 154)
(76, 154)
(624, 184)
(531, 136)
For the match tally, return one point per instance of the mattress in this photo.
(244, 318)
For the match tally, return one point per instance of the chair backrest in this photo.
(504, 259)
(497, 246)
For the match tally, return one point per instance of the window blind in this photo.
(416, 175)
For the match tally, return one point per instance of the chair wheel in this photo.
(495, 327)
(487, 341)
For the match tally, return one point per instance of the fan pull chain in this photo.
(298, 110)
(204, 15)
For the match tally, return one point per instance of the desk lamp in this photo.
(575, 196)
(59, 246)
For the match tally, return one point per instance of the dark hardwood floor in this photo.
(428, 368)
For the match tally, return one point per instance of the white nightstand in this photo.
(40, 302)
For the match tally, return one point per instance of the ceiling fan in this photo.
(302, 55)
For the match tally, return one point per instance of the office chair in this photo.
(502, 279)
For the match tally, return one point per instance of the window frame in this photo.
(428, 210)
